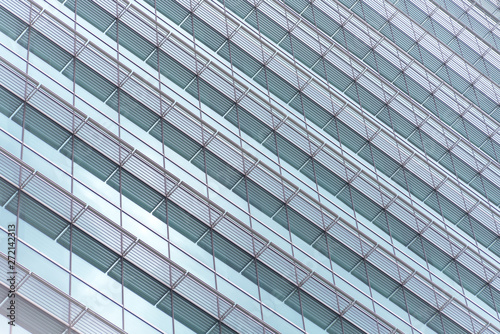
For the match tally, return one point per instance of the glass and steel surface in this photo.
(250, 166)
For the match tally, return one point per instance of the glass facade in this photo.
(240, 166)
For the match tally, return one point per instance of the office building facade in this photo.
(234, 166)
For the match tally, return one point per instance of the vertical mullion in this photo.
(204, 148)
(22, 144)
(164, 158)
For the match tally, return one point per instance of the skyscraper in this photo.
(250, 166)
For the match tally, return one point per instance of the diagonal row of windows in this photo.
(375, 54)
(363, 202)
(351, 139)
(138, 275)
(38, 312)
(284, 90)
(261, 198)
(410, 82)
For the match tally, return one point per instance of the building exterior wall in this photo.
(250, 167)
